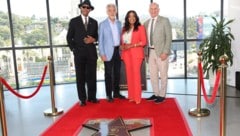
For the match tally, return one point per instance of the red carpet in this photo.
(167, 117)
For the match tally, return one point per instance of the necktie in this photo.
(151, 32)
(85, 23)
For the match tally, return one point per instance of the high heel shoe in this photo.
(138, 102)
(130, 100)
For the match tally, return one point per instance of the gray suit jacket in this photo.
(162, 35)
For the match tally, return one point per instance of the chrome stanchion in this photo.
(222, 95)
(2, 108)
(52, 111)
(199, 112)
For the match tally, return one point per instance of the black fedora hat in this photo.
(86, 2)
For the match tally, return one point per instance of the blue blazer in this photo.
(105, 39)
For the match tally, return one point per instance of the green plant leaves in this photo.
(217, 45)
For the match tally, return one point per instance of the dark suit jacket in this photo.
(76, 34)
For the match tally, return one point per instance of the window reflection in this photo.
(198, 17)
(175, 14)
(60, 15)
(30, 28)
(29, 24)
(126, 5)
(64, 65)
(5, 37)
(30, 66)
(199, 26)
(7, 67)
(176, 60)
(99, 12)
(192, 59)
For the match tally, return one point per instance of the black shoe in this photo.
(152, 98)
(93, 100)
(109, 99)
(82, 103)
(119, 96)
(159, 100)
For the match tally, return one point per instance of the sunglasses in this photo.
(86, 7)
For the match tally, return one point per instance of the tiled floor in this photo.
(25, 117)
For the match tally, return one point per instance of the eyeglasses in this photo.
(87, 7)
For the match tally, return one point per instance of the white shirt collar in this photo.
(83, 18)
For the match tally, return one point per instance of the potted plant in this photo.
(216, 45)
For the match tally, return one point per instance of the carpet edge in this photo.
(184, 118)
(59, 118)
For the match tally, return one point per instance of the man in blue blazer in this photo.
(109, 41)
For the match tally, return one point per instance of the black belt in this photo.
(151, 48)
(116, 47)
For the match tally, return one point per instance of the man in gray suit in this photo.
(159, 33)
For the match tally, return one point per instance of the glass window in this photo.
(29, 22)
(64, 65)
(198, 17)
(7, 67)
(199, 26)
(176, 60)
(225, 8)
(30, 66)
(175, 14)
(192, 59)
(30, 28)
(99, 12)
(60, 14)
(5, 37)
(126, 5)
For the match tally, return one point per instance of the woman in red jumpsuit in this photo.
(133, 40)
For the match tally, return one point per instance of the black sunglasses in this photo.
(87, 7)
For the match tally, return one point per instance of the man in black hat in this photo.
(81, 36)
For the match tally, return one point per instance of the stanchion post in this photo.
(52, 111)
(223, 68)
(2, 108)
(199, 112)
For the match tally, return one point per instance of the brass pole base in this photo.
(199, 113)
(50, 112)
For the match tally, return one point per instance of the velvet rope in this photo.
(215, 88)
(22, 96)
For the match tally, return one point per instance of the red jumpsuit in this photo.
(133, 58)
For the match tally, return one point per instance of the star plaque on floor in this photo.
(116, 127)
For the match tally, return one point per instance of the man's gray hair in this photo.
(111, 5)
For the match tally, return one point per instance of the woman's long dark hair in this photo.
(126, 26)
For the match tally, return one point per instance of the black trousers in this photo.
(112, 74)
(85, 67)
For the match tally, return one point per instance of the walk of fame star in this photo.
(116, 127)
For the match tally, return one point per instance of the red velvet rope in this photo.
(215, 88)
(22, 96)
